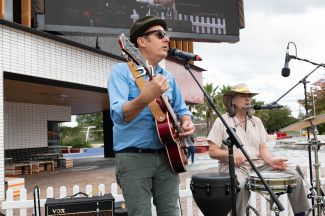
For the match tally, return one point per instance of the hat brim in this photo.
(137, 33)
(232, 93)
(228, 95)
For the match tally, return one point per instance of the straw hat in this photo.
(234, 90)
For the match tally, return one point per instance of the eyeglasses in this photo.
(160, 33)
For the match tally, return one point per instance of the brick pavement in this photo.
(93, 171)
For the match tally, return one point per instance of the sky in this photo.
(257, 59)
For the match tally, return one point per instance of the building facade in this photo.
(45, 78)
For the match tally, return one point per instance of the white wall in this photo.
(31, 54)
(25, 125)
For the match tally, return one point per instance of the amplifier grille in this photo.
(83, 206)
(100, 213)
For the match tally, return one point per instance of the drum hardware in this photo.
(37, 204)
(317, 194)
(280, 183)
(313, 145)
(319, 197)
(249, 207)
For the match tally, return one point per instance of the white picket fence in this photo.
(190, 208)
(203, 25)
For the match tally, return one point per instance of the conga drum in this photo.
(211, 192)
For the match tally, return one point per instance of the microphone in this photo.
(286, 70)
(182, 55)
(266, 106)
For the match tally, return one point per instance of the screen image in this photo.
(210, 20)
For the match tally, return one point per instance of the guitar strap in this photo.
(153, 105)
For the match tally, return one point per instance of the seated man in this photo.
(253, 135)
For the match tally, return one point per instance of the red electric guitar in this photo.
(169, 128)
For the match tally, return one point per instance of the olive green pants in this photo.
(143, 176)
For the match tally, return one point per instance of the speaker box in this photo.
(82, 206)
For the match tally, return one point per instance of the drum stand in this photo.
(232, 140)
(304, 82)
(319, 195)
(273, 207)
(267, 196)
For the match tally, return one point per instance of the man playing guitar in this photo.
(142, 164)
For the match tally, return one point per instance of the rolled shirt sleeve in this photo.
(118, 90)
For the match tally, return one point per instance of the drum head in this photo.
(272, 175)
(211, 177)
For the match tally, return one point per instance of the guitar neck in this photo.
(134, 54)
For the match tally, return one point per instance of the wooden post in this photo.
(185, 46)
(26, 14)
(172, 44)
(190, 49)
(190, 46)
(179, 44)
(2, 9)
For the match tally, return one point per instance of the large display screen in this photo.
(203, 20)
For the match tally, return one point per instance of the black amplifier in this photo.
(82, 206)
(120, 209)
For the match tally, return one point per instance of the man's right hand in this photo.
(239, 158)
(154, 88)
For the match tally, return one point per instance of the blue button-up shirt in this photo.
(141, 132)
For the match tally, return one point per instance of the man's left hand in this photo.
(279, 163)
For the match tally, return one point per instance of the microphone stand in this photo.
(304, 82)
(230, 142)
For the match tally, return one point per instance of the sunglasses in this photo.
(160, 33)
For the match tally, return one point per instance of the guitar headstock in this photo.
(132, 53)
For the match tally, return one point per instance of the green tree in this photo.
(219, 99)
(318, 89)
(73, 136)
(204, 112)
(275, 119)
(93, 119)
(318, 96)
